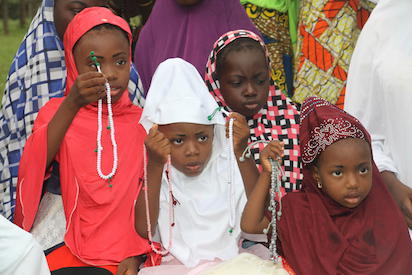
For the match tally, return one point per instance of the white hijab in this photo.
(206, 203)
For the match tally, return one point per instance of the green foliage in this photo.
(8, 48)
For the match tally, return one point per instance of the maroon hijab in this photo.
(319, 236)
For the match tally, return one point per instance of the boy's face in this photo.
(191, 146)
(244, 81)
(65, 10)
(111, 48)
(345, 171)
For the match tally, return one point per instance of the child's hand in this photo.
(88, 88)
(129, 266)
(241, 132)
(158, 146)
(274, 150)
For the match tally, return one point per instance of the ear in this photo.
(315, 173)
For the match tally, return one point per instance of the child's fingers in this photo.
(237, 116)
(90, 75)
(99, 81)
(153, 130)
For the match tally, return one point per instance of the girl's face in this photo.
(65, 10)
(111, 48)
(344, 170)
(244, 80)
(191, 146)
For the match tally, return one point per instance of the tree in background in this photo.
(5, 15)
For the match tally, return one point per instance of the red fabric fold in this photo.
(100, 219)
(318, 235)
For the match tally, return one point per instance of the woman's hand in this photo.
(401, 193)
(157, 145)
(88, 88)
(129, 266)
(273, 150)
(241, 132)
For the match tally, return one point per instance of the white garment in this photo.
(205, 203)
(247, 264)
(379, 87)
(19, 252)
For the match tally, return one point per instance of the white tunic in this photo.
(19, 252)
(210, 205)
(379, 89)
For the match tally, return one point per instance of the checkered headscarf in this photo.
(37, 73)
(278, 119)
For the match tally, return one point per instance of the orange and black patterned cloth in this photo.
(274, 27)
(327, 34)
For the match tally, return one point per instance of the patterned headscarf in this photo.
(277, 120)
(325, 127)
(38, 73)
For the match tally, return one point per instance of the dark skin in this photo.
(162, 141)
(253, 218)
(401, 193)
(190, 148)
(244, 80)
(65, 10)
(344, 171)
(114, 56)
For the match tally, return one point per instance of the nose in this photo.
(352, 181)
(109, 72)
(191, 149)
(250, 90)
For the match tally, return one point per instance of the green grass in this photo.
(8, 48)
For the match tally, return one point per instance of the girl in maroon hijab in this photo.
(98, 204)
(343, 221)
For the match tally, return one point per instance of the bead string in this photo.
(230, 178)
(171, 209)
(99, 128)
(276, 177)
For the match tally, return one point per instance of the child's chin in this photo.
(115, 96)
(192, 173)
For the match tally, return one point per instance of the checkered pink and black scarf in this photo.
(278, 119)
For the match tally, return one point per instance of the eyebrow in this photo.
(79, 2)
(118, 54)
(200, 133)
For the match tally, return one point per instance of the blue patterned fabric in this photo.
(38, 73)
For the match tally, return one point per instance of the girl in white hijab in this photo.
(207, 192)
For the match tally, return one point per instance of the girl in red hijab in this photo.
(343, 221)
(99, 156)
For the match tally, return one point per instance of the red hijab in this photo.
(318, 235)
(100, 219)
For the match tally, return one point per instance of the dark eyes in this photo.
(121, 62)
(363, 170)
(177, 141)
(337, 173)
(203, 138)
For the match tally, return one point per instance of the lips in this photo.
(114, 90)
(352, 198)
(193, 167)
(251, 105)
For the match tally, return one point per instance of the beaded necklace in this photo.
(276, 178)
(171, 204)
(99, 148)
